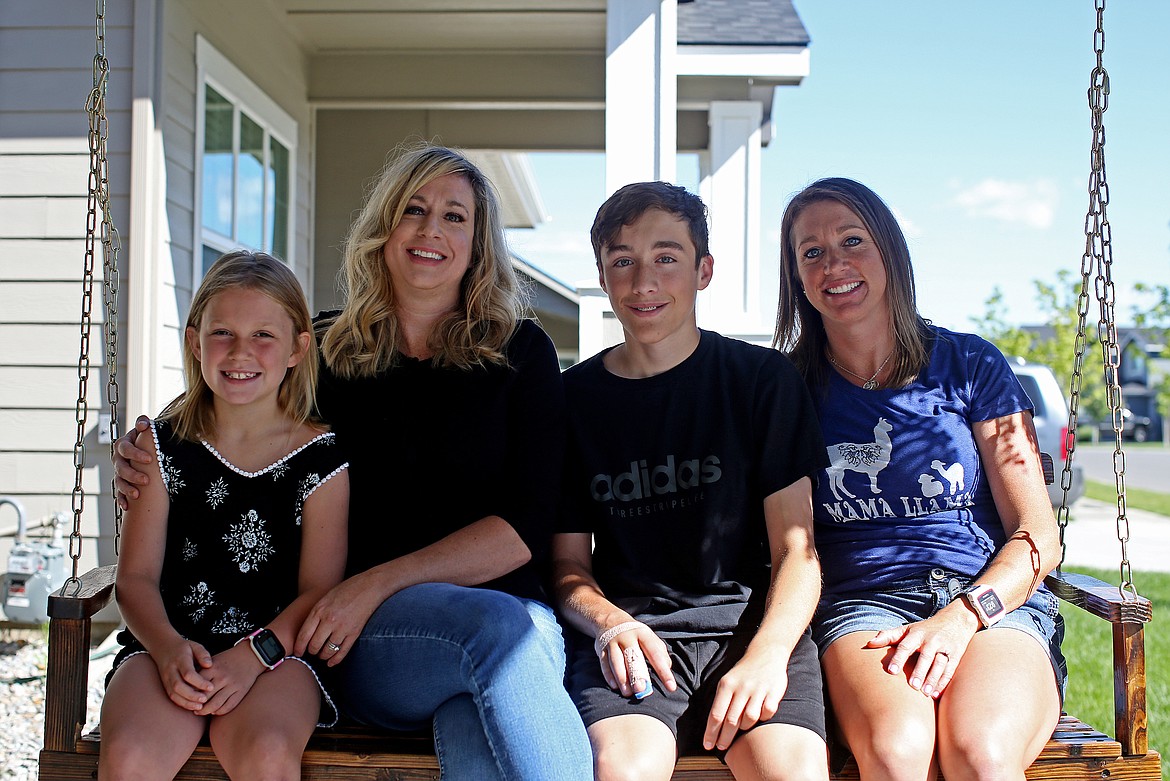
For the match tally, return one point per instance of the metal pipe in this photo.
(16, 505)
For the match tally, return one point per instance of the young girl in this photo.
(223, 555)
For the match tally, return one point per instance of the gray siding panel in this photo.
(61, 48)
(46, 52)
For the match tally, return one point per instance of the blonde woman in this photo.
(450, 406)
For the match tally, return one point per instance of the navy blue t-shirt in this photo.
(905, 490)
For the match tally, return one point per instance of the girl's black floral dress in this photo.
(233, 538)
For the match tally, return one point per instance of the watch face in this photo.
(990, 603)
(269, 647)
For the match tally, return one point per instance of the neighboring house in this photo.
(1141, 367)
(259, 122)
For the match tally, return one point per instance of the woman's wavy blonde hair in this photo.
(193, 413)
(363, 339)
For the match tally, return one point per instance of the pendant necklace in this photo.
(871, 383)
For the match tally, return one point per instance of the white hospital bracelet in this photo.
(609, 634)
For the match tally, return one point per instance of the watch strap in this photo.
(268, 663)
(986, 604)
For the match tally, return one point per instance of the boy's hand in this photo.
(749, 693)
(633, 650)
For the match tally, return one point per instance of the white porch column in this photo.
(730, 187)
(641, 91)
(591, 323)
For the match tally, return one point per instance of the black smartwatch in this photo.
(267, 647)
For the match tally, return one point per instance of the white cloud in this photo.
(1030, 203)
(910, 229)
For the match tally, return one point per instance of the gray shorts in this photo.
(697, 665)
(920, 597)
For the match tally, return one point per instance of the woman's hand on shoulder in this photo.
(939, 643)
(182, 667)
(232, 673)
(127, 453)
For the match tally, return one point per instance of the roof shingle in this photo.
(740, 23)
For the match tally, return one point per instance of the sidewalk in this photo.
(1091, 538)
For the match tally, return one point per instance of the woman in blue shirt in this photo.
(932, 521)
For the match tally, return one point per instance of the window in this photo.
(244, 168)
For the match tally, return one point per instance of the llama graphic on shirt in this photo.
(953, 474)
(869, 458)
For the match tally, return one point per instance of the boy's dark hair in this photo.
(632, 201)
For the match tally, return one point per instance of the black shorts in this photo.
(698, 664)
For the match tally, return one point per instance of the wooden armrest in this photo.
(1099, 598)
(1128, 617)
(94, 593)
(71, 609)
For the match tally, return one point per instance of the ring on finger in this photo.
(333, 646)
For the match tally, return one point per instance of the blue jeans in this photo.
(920, 597)
(485, 668)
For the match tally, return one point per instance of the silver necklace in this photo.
(871, 383)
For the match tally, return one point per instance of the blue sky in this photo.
(970, 119)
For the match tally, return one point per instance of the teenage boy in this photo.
(690, 462)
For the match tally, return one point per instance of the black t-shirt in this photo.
(433, 450)
(670, 474)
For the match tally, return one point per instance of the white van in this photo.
(1051, 421)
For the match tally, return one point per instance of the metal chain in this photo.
(107, 235)
(1097, 264)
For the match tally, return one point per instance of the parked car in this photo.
(1135, 427)
(1051, 419)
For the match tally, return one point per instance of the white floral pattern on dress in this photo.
(249, 542)
(190, 550)
(233, 621)
(200, 597)
(172, 475)
(217, 492)
(279, 470)
(307, 486)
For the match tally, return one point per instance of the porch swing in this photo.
(1075, 751)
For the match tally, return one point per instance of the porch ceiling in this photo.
(528, 55)
(350, 26)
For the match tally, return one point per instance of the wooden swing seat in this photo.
(1075, 752)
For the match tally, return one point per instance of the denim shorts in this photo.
(920, 597)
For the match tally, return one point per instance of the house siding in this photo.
(46, 52)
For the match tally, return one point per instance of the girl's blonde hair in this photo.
(192, 413)
(363, 339)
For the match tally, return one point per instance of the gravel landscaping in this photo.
(23, 654)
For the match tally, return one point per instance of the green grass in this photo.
(1088, 649)
(1135, 498)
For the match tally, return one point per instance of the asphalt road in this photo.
(1146, 466)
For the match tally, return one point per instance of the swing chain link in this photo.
(106, 234)
(1097, 265)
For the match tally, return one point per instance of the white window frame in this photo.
(216, 70)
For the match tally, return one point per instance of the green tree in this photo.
(1056, 347)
